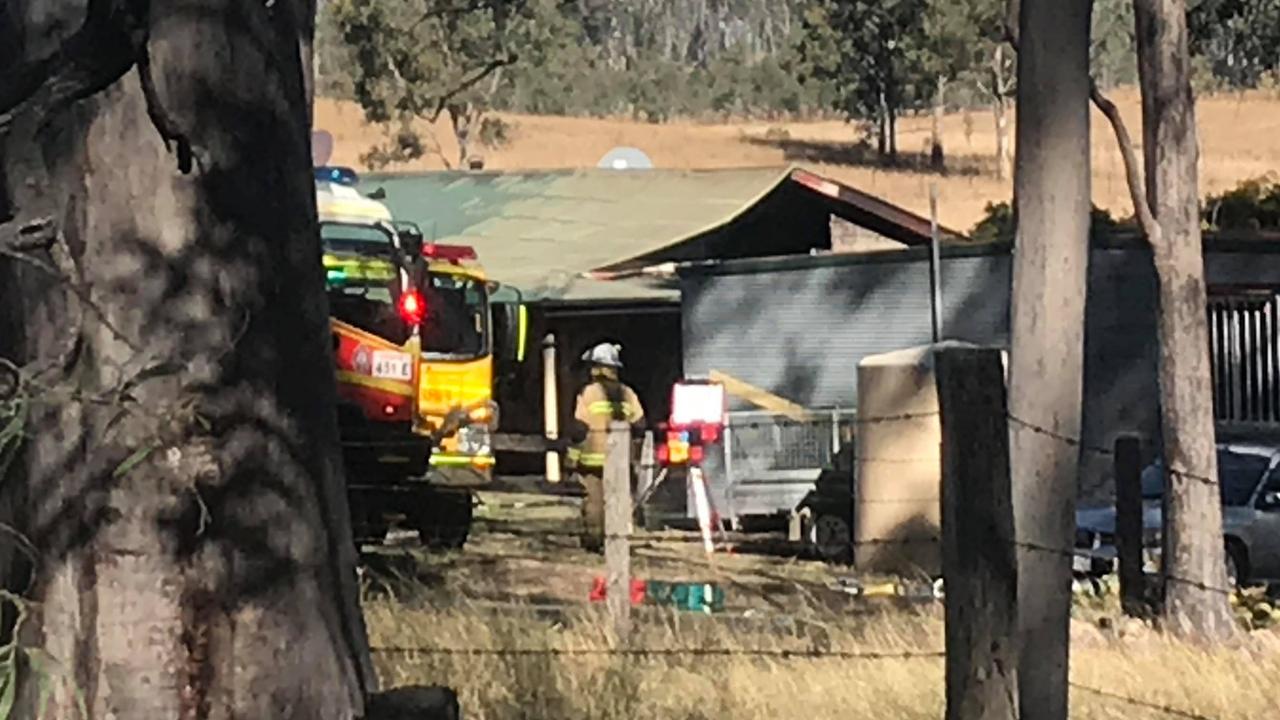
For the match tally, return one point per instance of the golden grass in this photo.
(1224, 684)
(1238, 140)
(508, 591)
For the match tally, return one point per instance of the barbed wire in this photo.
(733, 540)
(838, 420)
(814, 654)
(1071, 552)
(752, 653)
(1099, 450)
(779, 653)
(1138, 702)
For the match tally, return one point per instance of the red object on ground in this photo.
(600, 590)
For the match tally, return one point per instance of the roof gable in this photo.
(540, 231)
(546, 231)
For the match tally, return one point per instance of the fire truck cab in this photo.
(414, 351)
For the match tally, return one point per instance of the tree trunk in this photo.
(882, 128)
(186, 489)
(893, 132)
(937, 159)
(1000, 88)
(1047, 353)
(1195, 577)
(460, 121)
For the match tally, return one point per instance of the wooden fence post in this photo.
(648, 466)
(617, 527)
(550, 406)
(1128, 472)
(979, 562)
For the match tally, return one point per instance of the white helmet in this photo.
(606, 354)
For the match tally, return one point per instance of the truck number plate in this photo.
(392, 365)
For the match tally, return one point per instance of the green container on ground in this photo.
(690, 596)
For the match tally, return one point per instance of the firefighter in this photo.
(603, 400)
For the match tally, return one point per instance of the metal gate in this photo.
(1245, 357)
(769, 461)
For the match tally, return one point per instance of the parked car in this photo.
(1249, 483)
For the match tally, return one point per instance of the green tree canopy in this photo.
(872, 53)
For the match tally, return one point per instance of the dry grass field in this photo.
(448, 619)
(1239, 138)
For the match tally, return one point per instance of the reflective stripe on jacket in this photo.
(596, 409)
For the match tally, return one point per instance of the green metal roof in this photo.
(542, 231)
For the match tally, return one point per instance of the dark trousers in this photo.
(592, 507)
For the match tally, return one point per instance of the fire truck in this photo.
(414, 343)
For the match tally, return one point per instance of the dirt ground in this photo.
(524, 550)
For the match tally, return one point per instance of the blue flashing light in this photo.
(337, 175)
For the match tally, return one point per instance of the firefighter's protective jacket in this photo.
(600, 403)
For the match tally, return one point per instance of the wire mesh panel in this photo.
(761, 442)
(770, 461)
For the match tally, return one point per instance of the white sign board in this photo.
(697, 404)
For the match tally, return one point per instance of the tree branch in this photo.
(1137, 188)
(10, 380)
(468, 83)
(26, 236)
(1012, 9)
(72, 284)
(437, 11)
(174, 140)
(98, 54)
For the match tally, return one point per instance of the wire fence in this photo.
(668, 652)
(1069, 550)
(1066, 551)
(686, 653)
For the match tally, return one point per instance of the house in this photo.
(808, 321)
(593, 252)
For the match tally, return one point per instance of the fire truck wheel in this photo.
(445, 520)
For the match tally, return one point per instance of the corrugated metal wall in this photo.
(1120, 356)
(800, 332)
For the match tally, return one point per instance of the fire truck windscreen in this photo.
(355, 238)
(457, 322)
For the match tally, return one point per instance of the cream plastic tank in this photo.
(898, 465)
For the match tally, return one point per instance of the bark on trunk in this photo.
(1046, 358)
(1000, 109)
(1195, 577)
(186, 489)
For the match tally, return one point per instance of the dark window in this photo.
(362, 284)
(1238, 475)
(353, 238)
(457, 322)
(1245, 356)
(1273, 481)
